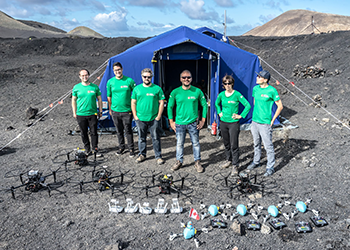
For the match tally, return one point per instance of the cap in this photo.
(265, 74)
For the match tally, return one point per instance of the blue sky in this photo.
(144, 18)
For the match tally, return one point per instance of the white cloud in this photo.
(267, 18)
(194, 9)
(225, 3)
(114, 21)
(146, 3)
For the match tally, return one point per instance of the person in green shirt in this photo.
(264, 97)
(119, 90)
(147, 105)
(84, 108)
(229, 120)
(187, 98)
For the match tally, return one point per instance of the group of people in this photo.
(145, 104)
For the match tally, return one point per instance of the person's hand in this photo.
(172, 125)
(110, 112)
(220, 114)
(99, 115)
(136, 118)
(158, 118)
(236, 116)
(200, 124)
(75, 116)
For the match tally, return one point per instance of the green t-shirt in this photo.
(86, 98)
(186, 105)
(120, 92)
(230, 106)
(147, 101)
(264, 99)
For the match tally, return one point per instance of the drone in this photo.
(34, 181)
(246, 183)
(78, 156)
(165, 184)
(103, 177)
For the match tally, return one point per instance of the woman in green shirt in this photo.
(229, 120)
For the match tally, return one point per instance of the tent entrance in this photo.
(168, 75)
(170, 70)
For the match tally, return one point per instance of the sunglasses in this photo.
(147, 77)
(186, 77)
(226, 83)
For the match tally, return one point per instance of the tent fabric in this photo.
(216, 34)
(224, 58)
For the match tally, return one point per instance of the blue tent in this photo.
(208, 59)
(213, 34)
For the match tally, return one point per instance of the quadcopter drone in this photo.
(103, 177)
(78, 156)
(165, 184)
(34, 181)
(245, 183)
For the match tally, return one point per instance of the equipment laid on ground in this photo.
(79, 156)
(303, 227)
(319, 221)
(245, 183)
(34, 181)
(277, 223)
(114, 207)
(165, 184)
(103, 177)
(253, 225)
(217, 223)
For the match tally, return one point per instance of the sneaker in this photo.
(131, 154)
(226, 164)
(160, 161)
(269, 172)
(234, 170)
(176, 166)
(141, 158)
(119, 151)
(88, 152)
(252, 166)
(198, 166)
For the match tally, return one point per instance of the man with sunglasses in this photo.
(147, 105)
(119, 90)
(187, 98)
(264, 97)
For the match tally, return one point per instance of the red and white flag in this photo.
(193, 214)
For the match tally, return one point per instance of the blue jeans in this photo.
(180, 137)
(142, 128)
(263, 132)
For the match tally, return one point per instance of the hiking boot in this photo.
(198, 166)
(141, 158)
(269, 172)
(234, 170)
(226, 164)
(160, 161)
(132, 154)
(119, 151)
(176, 166)
(252, 166)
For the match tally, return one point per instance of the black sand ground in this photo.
(312, 162)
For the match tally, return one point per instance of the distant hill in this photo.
(298, 22)
(12, 28)
(84, 32)
(42, 26)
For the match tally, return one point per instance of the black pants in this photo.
(122, 121)
(230, 132)
(86, 122)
